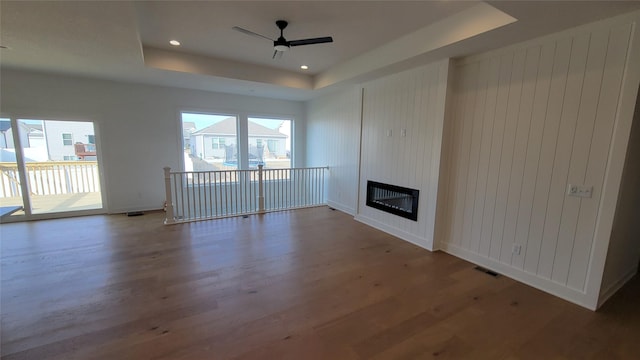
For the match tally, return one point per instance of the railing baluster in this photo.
(169, 218)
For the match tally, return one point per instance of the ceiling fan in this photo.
(281, 44)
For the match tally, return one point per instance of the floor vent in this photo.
(487, 271)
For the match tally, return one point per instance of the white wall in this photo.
(333, 139)
(137, 126)
(402, 123)
(624, 248)
(527, 121)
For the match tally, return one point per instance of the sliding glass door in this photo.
(58, 164)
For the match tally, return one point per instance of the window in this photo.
(209, 142)
(91, 139)
(67, 139)
(276, 135)
(218, 143)
(69, 158)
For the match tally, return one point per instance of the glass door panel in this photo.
(11, 201)
(61, 165)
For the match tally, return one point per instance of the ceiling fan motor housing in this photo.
(281, 44)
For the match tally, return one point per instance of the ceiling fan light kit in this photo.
(281, 44)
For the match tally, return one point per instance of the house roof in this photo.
(188, 125)
(228, 127)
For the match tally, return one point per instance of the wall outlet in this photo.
(580, 191)
(517, 248)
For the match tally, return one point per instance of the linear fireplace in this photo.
(393, 199)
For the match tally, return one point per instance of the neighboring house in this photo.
(70, 140)
(34, 134)
(6, 135)
(218, 141)
(188, 127)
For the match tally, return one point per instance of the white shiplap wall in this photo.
(412, 101)
(333, 139)
(527, 121)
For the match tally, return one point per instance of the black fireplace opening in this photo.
(393, 199)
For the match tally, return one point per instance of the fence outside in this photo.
(51, 178)
(200, 195)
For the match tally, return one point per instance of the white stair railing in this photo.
(201, 195)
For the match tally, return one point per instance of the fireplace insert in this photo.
(393, 199)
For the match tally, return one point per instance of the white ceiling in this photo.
(128, 40)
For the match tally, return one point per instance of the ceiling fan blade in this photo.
(250, 33)
(319, 40)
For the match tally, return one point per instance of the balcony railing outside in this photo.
(200, 195)
(51, 178)
(56, 186)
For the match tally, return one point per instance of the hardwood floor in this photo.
(305, 284)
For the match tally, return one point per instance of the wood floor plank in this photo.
(305, 284)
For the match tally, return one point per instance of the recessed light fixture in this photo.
(304, 67)
(174, 42)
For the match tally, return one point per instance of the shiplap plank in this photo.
(519, 151)
(470, 74)
(618, 43)
(488, 115)
(492, 249)
(468, 237)
(436, 186)
(547, 153)
(580, 153)
(431, 167)
(532, 157)
(461, 76)
(415, 132)
(513, 105)
(564, 146)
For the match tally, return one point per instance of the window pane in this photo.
(61, 177)
(276, 133)
(67, 139)
(10, 187)
(209, 142)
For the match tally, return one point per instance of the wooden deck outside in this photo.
(57, 203)
(306, 284)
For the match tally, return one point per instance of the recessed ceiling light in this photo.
(174, 42)
(304, 67)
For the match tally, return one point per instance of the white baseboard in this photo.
(608, 293)
(533, 280)
(341, 207)
(415, 240)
